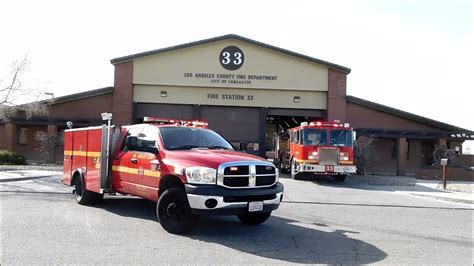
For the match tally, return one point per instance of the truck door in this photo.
(121, 163)
(143, 178)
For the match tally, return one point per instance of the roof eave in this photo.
(406, 115)
(123, 59)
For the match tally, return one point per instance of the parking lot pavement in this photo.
(326, 190)
(319, 222)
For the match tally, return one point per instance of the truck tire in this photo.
(340, 178)
(293, 173)
(254, 218)
(83, 196)
(174, 213)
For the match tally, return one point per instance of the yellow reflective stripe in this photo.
(346, 162)
(307, 161)
(152, 173)
(135, 171)
(84, 153)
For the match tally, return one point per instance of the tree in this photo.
(49, 145)
(13, 92)
(364, 153)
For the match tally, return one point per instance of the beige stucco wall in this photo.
(230, 97)
(288, 72)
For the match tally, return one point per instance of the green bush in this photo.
(11, 158)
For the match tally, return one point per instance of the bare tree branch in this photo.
(14, 92)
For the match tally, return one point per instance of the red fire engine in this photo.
(187, 169)
(322, 148)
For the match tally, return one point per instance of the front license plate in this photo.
(329, 168)
(255, 206)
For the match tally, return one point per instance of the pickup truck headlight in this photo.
(201, 175)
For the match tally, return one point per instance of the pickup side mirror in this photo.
(131, 142)
(243, 146)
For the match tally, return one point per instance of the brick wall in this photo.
(2, 137)
(336, 104)
(29, 149)
(123, 93)
(452, 174)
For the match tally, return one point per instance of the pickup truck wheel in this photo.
(83, 196)
(293, 173)
(254, 218)
(174, 213)
(340, 178)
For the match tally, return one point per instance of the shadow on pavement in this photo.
(279, 238)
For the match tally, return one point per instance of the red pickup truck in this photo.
(187, 169)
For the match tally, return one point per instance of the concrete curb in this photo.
(443, 198)
(15, 179)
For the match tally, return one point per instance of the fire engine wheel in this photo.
(340, 178)
(254, 218)
(174, 213)
(293, 173)
(83, 196)
(281, 166)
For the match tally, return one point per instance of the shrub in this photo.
(11, 158)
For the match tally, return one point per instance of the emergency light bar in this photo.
(177, 122)
(336, 123)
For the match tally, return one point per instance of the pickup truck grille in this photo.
(246, 174)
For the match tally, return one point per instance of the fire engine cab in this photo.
(321, 148)
(188, 169)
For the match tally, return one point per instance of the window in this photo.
(187, 138)
(22, 136)
(294, 136)
(311, 136)
(341, 138)
(146, 140)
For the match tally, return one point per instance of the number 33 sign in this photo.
(231, 58)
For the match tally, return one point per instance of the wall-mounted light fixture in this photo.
(164, 94)
(296, 99)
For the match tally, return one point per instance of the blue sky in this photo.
(412, 55)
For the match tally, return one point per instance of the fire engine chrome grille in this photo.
(246, 174)
(328, 155)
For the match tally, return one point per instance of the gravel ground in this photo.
(380, 180)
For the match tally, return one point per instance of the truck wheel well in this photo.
(75, 176)
(169, 181)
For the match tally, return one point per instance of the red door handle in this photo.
(133, 160)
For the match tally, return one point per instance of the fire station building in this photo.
(249, 92)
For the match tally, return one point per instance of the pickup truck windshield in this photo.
(341, 138)
(187, 138)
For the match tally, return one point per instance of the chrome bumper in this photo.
(316, 168)
(198, 202)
